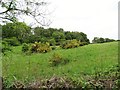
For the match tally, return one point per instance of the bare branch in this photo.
(7, 18)
(8, 9)
(31, 8)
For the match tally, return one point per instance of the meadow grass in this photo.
(84, 60)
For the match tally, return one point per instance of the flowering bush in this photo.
(40, 47)
(70, 44)
(57, 59)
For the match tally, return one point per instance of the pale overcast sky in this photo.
(96, 18)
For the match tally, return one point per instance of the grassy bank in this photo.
(85, 60)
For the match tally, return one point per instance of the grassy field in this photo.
(85, 60)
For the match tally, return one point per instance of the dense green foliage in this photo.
(19, 30)
(25, 34)
(57, 36)
(102, 40)
(13, 41)
(5, 47)
(25, 47)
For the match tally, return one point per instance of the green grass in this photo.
(85, 60)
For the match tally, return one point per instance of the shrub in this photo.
(25, 47)
(58, 59)
(35, 46)
(52, 42)
(53, 47)
(40, 47)
(83, 43)
(12, 41)
(70, 44)
(5, 47)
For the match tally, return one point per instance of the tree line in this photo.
(101, 40)
(19, 33)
